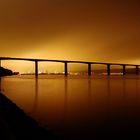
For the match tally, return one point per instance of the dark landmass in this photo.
(7, 72)
(16, 125)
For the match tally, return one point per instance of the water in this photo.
(78, 106)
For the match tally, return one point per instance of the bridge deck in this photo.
(63, 61)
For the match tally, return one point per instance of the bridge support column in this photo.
(108, 69)
(89, 69)
(36, 68)
(137, 70)
(66, 68)
(124, 69)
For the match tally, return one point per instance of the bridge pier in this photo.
(89, 69)
(66, 68)
(124, 69)
(137, 70)
(36, 68)
(108, 69)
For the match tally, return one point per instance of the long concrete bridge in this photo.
(66, 62)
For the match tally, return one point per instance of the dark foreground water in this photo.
(79, 107)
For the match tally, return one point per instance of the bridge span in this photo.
(66, 62)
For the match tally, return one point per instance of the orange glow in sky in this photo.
(87, 30)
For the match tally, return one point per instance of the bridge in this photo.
(66, 62)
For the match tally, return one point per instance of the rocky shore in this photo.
(6, 72)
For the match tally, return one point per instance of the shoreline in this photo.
(17, 125)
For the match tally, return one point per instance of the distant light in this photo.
(120, 73)
(39, 72)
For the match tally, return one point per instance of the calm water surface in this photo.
(76, 107)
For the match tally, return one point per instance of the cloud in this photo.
(70, 29)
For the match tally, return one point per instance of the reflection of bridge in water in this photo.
(66, 62)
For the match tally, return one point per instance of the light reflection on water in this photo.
(77, 103)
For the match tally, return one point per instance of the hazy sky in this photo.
(88, 30)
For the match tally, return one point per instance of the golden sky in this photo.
(88, 30)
